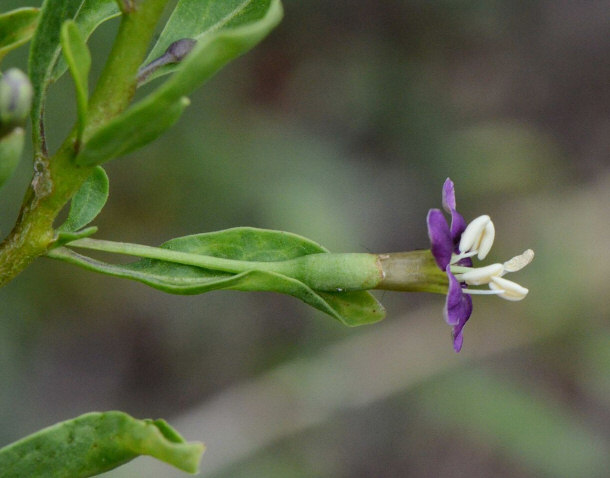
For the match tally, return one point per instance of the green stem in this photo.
(406, 271)
(414, 271)
(324, 271)
(118, 81)
(57, 179)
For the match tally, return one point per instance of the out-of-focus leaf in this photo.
(94, 443)
(16, 28)
(44, 61)
(534, 431)
(130, 131)
(147, 119)
(197, 19)
(245, 244)
(78, 58)
(88, 201)
(11, 147)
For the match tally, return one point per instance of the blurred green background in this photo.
(342, 127)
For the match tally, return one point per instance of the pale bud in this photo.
(15, 99)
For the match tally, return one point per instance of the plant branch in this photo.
(57, 179)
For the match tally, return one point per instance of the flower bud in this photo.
(15, 100)
(180, 48)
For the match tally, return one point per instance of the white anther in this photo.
(519, 262)
(487, 240)
(481, 275)
(473, 235)
(512, 290)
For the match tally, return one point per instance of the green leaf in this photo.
(87, 202)
(130, 131)
(63, 237)
(133, 128)
(94, 443)
(220, 44)
(197, 19)
(244, 244)
(78, 58)
(11, 147)
(45, 65)
(16, 28)
(90, 15)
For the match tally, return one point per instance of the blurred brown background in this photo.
(342, 127)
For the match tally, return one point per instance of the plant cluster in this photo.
(198, 39)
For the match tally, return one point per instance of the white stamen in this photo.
(519, 262)
(483, 291)
(472, 235)
(481, 275)
(487, 240)
(511, 290)
(455, 258)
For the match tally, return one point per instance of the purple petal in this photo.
(449, 196)
(458, 339)
(458, 308)
(458, 226)
(441, 243)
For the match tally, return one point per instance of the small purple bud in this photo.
(175, 53)
(180, 48)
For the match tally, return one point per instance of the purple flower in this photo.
(452, 246)
(444, 240)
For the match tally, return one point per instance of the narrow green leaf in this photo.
(11, 147)
(94, 443)
(130, 131)
(197, 19)
(16, 28)
(87, 202)
(90, 15)
(45, 65)
(147, 119)
(245, 244)
(63, 237)
(78, 58)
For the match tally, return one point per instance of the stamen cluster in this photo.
(477, 239)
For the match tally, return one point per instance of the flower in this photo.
(453, 247)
